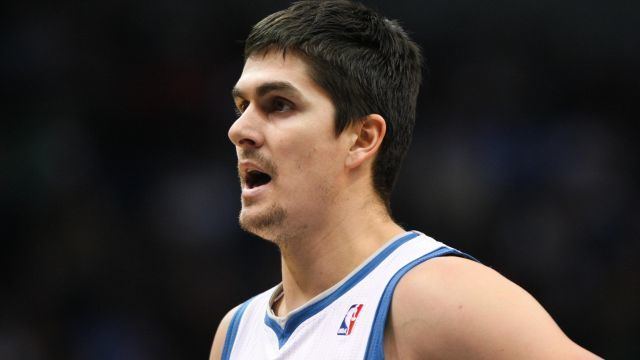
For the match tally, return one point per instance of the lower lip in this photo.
(256, 191)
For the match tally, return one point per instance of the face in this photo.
(290, 162)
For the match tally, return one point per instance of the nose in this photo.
(245, 131)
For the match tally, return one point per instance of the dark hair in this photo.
(366, 63)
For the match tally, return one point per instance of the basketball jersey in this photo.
(346, 321)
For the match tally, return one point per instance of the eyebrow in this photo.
(268, 87)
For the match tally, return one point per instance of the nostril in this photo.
(247, 142)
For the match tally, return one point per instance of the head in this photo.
(358, 65)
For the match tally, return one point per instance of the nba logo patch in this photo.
(350, 319)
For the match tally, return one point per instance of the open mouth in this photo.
(255, 178)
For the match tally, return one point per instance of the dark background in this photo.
(118, 193)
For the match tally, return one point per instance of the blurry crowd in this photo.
(119, 195)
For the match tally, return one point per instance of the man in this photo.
(326, 106)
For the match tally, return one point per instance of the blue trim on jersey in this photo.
(375, 350)
(296, 319)
(232, 331)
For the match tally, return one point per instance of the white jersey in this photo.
(344, 322)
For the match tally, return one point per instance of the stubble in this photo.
(265, 223)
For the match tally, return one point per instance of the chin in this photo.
(265, 223)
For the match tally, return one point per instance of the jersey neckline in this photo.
(284, 326)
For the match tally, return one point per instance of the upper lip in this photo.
(246, 166)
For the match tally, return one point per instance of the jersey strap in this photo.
(375, 350)
(233, 330)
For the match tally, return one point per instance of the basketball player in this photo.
(326, 107)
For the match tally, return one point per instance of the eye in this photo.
(241, 107)
(280, 105)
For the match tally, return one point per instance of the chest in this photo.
(346, 322)
(341, 330)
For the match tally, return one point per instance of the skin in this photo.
(470, 311)
(320, 208)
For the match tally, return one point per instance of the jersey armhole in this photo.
(232, 331)
(375, 349)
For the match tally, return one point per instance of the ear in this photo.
(367, 135)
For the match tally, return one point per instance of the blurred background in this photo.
(119, 199)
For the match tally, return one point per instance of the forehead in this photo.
(273, 67)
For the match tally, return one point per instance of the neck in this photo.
(317, 260)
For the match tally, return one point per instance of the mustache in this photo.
(260, 160)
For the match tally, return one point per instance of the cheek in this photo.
(310, 159)
(318, 166)
(305, 169)
(302, 153)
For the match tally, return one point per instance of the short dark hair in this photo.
(365, 62)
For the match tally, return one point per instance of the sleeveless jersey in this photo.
(344, 322)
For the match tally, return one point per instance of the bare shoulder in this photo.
(221, 334)
(450, 307)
